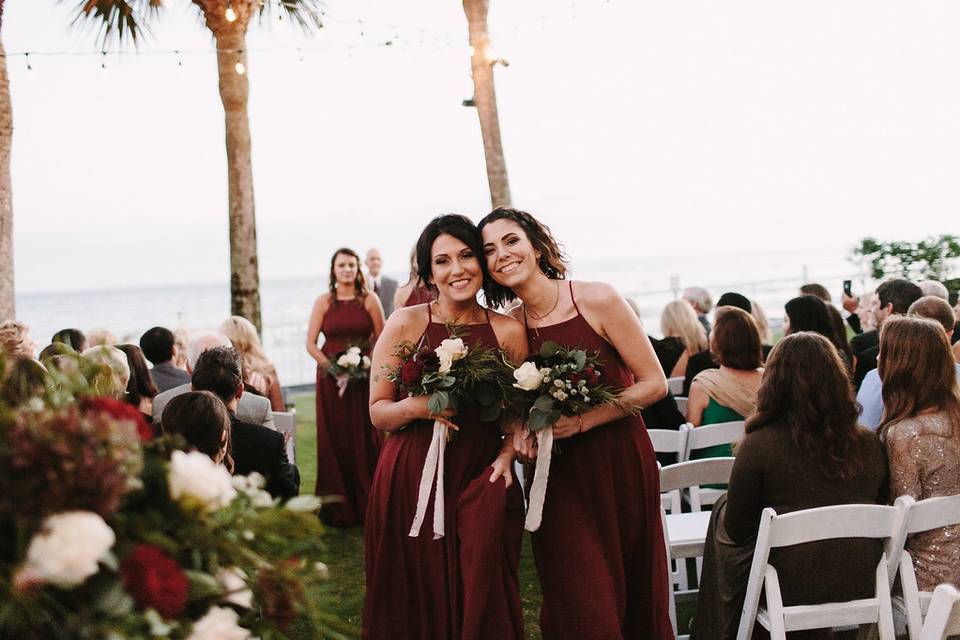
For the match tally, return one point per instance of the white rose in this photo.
(355, 350)
(196, 476)
(453, 346)
(352, 358)
(68, 548)
(446, 361)
(527, 377)
(545, 372)
(365, 362)
(559, 395)
(218, 624)
(342, 361)
(558, 383)
(322, 570)
(233, 581)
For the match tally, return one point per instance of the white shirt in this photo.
(870, 398)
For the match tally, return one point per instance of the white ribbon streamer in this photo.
(432, 467)
(342, 380)
(538, 490)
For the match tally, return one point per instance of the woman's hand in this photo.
(524, 445)
(502, 467)
(418, 408)
(568, 426)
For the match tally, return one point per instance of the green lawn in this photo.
(346, 545)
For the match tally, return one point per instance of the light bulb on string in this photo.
(230, 14)
(240, 68)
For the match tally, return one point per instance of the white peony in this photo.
(350, 359)
(354, 349)
(527, 377)
(68, 548)
(252, 485)
(218, 624)
(233, 581)
(195, 475)
(342, 361)
(453, 346)
(446, 361)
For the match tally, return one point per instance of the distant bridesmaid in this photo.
(347, 444)
(599, 550)
(414, 291)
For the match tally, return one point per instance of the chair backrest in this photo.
(682, 404)
(933, 513)
(286, 424)
(675, 478)
(713, 434)
(943, 616)
(675, 385)
(669, 440)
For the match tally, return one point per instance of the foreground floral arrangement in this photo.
(106, 532)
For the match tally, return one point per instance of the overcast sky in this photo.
(635, 129)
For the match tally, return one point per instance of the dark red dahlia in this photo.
(119, 411)
(411, 372)
(155, 580)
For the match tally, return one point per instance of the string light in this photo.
(240, 68)
(230, 14)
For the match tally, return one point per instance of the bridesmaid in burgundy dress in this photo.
(413, 292)
(347, 443)
(599, 549)
(463, 585)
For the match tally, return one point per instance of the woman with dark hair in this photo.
(414, 291)
(599, 549)
(140, 388)
(202, 419)
(802, 449)
(347, 315)
(921, 428)
(810, 313)
(461, 583)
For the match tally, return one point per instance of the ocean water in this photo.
(771, 278)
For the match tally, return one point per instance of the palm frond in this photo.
(117, 20)
(308, 14)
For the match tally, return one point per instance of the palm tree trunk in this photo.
(485, 98)
(234, 92)
(7, 301)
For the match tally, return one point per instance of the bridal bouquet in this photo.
(451, 374)
(349, 365)
(558, 382)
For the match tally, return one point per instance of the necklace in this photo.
(457, 321)
(552, 309)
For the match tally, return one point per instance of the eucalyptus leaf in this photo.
(203, 585)
(438, 402)
(549, 349)
(538, 420)
(114, 600)
(544, 404)
(447, 382)
(580, 358)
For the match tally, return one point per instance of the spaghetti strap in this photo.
(486, 313)
(572, 299)
(429, 313)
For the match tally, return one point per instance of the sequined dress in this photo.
(924, 455)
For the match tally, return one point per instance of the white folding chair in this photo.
(932, 513)
(287, 425)
(681, 404)
(708, 436)
(943, 617)
(675, 385)
(669, 441)
(811, 525)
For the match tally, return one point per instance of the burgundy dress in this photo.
(465, 585)
(599, 550)
(419, 295)
(347, 443)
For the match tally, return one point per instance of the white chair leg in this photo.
(885, 613)
(771, 584)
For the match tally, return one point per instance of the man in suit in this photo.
(253, 447)
(893, 297)
(384, 287)
(251, 407)
(158, 347)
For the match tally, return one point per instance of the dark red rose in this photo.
(593, 377)
(575, 378)
(155, 580)
(118, 411)
(280, 595)
(411, 372)
(430, 361)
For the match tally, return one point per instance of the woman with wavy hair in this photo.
(921, 428)
(683, 336)
(259, 374)
(347, 444)
(599, 544)
(803, 449)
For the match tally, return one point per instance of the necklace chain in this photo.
(552, 309)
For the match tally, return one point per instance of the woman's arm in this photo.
(375, 308)
(401, 295)
(276, 392)
(902, 450)
(313, 329)
(696, 404)
(513, 340)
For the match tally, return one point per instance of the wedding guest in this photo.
(839, 332)
(251, 408)
(414, 291)
(203, 421)
(112, 373)
(181, 338)
(101, 337)
(699, 299)
(893, 297)
(384, 286)
(866, 332)
(347, 444)
(23, 380)
(803, 449)
(475, 593)
(705, 359)
(159, 347)
(870, 395)
(729, 393)
(934, 288)
(818, 290)
(683, 336)
(763, 325)
(253, 447)
(15, 340)
(599, 549)
(140, 388)
(810, 313)
(664, 413)
(259, 374)
(73, 337)
(921, 428)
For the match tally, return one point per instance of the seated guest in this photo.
(705, 360)
(934, 288)
(100, 337)
(110, 373)
(893, 297)
(23, 380)
(203, 421)
(15, 340)
(259, 374)
(818, 290)
(253, 447)
(159, 347)
(683, 336)
(181, 337)
(72, 337)
(140, 387)
(252, 408)
(921, 428)
(810, 313)
(699, 299)
(730, 392)
(763, 325)
(870, 395)
(803, 449)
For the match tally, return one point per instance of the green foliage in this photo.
(928, 259)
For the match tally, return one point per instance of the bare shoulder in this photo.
(507, 325)
(595, 295)
(322, 301)
(407, 323)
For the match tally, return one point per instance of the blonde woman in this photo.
(763, 325)
(112, 374)
(683, 336)
(15, 340)
(259, 374)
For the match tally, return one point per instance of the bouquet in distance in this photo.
(349, 365)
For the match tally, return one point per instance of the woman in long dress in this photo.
(463, 585)
(347, 444)
(599, 550)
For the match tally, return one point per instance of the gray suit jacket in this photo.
(251, 408)
(166, 376)
(388, 289)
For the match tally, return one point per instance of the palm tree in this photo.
(485, 99)
(227, 21)
(7, 303)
